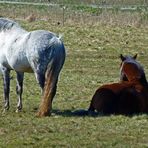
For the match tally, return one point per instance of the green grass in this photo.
(92, 60)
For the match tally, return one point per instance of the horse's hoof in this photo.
(42, 114)
(18, 110)
(5, 109)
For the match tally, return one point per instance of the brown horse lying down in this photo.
(127, 97)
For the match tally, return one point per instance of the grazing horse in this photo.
(128, 96)
(39, 52)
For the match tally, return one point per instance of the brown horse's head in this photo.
(130, 69)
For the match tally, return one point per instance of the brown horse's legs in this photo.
(129, 102)
(104, 101)
(91, 107)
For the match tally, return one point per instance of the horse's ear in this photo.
(135, 56)
(122, 57)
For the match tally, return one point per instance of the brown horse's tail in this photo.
(51, 77)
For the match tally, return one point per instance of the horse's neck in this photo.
(16, 31)
(15, 34)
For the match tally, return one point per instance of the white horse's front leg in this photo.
(6, 83)
(19, 90)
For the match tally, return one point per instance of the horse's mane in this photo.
(143, 80)
(6, 24)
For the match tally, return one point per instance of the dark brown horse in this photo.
(129, 96)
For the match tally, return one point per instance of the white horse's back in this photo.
(40, 51)
(21, 50)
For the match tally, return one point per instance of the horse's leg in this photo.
(104, 101)
(51, 77)
(19, 90)
(6, 83)
(91, 107)
(130, 102)
(48, 92)
(47, 98)
(40, 77)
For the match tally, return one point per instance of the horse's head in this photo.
(130, 69)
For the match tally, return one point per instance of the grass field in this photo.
(92, 60)
(108, 2)
(94, 39)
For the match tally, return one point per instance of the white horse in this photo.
(39, 52)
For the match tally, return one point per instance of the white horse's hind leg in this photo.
(40, 79)
(47, 97)
(49, 91)
(6, 83)
(19, 90)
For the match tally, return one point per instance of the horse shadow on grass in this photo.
(86, 113)
(75, 113)
(72, 113)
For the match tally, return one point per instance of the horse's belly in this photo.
(23, 69)
(20, 65)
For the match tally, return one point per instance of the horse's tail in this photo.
(51, 75)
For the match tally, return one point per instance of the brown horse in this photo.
(129, 96)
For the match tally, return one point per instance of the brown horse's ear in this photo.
(122, 57)
(135, 56)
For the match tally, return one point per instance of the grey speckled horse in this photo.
(39, 52)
